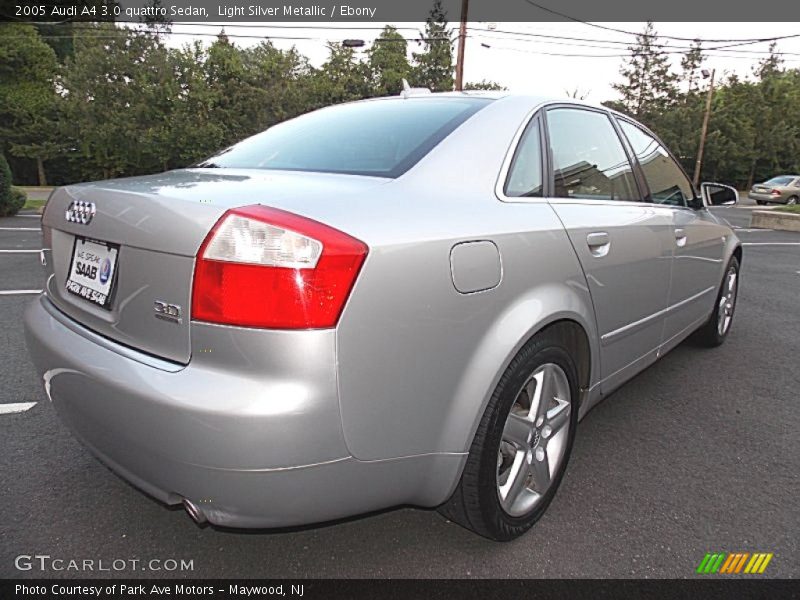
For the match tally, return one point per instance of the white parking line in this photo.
(18, 407)
(20, 228)
(770, 243)
(20, 251)
(749, 230)
(30, 216)
(18, 292)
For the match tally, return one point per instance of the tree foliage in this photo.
(28, 98)
(649, 86)
(388, 62)
(116, 100)
(754, 125)
(433, 67)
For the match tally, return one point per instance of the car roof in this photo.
(531, 99)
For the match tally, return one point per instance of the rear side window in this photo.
(525, 174)
(383, 138)
(667, 183)
(588, 158)
(780, 181)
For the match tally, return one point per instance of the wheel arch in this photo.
(737, 252)
(557, 309)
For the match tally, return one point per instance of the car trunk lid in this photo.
(150, 229)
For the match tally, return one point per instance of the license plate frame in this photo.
(94, 295)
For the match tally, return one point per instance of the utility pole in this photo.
(704, 130)
(462, 41)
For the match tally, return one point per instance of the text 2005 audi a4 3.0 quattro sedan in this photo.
(408, 300)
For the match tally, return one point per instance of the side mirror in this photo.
(718, 194)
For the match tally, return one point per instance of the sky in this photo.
(513, 55)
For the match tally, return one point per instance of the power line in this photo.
(752, 54)
(622, 43)
(670, 37)
(617, 56)
(101, 34)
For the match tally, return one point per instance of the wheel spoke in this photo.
(731, 281)
(540, 469)
(545, 392)
(517, 478)
(557, 417)
(517, 430)
(534, 391)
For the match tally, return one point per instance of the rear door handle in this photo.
(599, 243)
(680, 237)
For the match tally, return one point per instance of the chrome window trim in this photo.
(500, 184)
(499, 188)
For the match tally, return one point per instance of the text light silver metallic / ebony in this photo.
(398, 301)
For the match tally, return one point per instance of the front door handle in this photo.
(680, 237)
(599, 243)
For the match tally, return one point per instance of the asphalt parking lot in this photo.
(700, 453)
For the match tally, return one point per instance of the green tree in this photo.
(484, 84)
(5, 185)
(433, 68)
(28, 99)
(730, 146)
(680, 121)
(195, 133)
(691, 64)
(119, 88)
(11, 198)
(649, 86)
(388, 62)
(776, 119)
(342, 78)
(60, 37)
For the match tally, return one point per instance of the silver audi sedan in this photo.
(408, 300)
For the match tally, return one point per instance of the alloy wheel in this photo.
(727, 302)
(534, 440)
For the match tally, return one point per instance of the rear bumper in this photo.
(254, 443)
(765, 197)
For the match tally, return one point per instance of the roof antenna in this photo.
(412, 91)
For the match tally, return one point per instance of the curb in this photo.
(761, 219)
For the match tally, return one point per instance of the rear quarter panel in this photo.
(418, 360)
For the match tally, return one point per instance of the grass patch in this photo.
(32, 204)
(794, 208)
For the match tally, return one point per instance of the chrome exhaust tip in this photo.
(194, 511)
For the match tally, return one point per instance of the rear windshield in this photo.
(383, 138)
(780, 180)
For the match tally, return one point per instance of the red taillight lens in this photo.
(264, 267)
(775, 192)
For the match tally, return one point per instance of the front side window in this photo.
(588, 158)
(383, 138)
(525, 174)
(666, 180)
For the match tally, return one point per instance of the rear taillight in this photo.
(775, 192)
(264, 267)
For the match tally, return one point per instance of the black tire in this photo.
(792, 200)
(760, 202)
(475, 504)
(709, 335)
